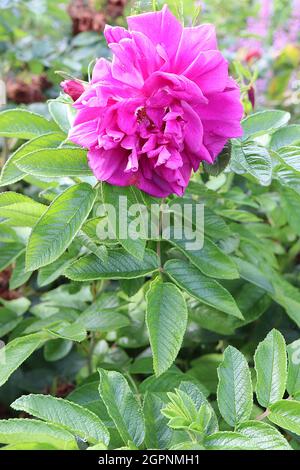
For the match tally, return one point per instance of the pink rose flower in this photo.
(162, 106)
(72, 88)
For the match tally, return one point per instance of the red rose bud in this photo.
(72, 88)
(251, 96)
(253, 54)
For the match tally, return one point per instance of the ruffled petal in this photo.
(162, 27)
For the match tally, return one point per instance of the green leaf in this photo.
(290, 156)
(8, 321)
(166, 319)
(271, 369)
(210, 260)
(264, 122)
(290, 200)
(119, 265)
(23, 124)
(252, 273)
(70, 416)
(263, 435)
(158, 434)
(73, 332)
(9, 252)
(122, 199)
(184, 414)
(288, 296)
(227, 440)
(239, 215)
(51, 272)
(205, 368)
(103, 315)
(220, 163)
(16, 431)
(235, 398)
(253, 159)
(57, 227)
(293, 380)
(87, 242)
(87, 395)
(10, 172)
(169, 381)
(122, 406)
(57, 349)
(19, 276)
(253, 302)
(201, 287)
(289, 135)
(17, 351)
(55, 163)
(20, 210)
(61, 113)
(29, 446)
(286, 414)
(195, 392)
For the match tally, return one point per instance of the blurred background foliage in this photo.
(39, 37)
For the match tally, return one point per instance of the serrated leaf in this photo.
(19, 275)
(51, 272)
(57, 349)
(24, 124)
(210, 259)
(73, 332)
(9, 252)
(8, 321)
(122, 406)
(10, 172)
(271, 369)
(289, 135)
(158, 434)
(234, 392)
(70, 416)
(227, 440)
(264, 436)
(14, 431)
(55, 163)
(57, 227)
(290, 156)
(253, 274)
(201, 287)
(293, 380)
(119, 265)
(286, 414)
(20, 210)
(253, 159)
(103, 315)
(264, 122)
(290, 200)
(184, 414)
(17, 351)
(61, 113)
(166, 319)
(122, 199)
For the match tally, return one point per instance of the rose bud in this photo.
(72, 88)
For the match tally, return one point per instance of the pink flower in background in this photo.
(162, 106)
